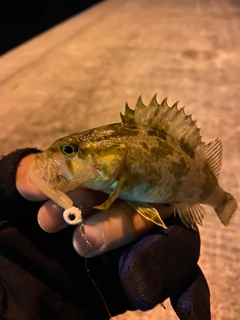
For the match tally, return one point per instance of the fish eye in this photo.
(69, 149)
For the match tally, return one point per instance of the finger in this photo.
(50, 215)
(112, 228)
(24, 184)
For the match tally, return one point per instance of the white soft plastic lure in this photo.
(72, 215)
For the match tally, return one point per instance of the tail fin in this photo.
(226, 209)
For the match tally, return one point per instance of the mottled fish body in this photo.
(155, 155)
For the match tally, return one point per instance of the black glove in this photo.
(163, 264)
(41, 271)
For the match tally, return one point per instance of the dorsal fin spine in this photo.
(168, 120)
(129, 114)
(153, 101)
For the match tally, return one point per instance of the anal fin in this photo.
(190, 214)
(148, 213)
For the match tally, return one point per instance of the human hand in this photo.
(163, 264)
(105, 230)
(157, 265)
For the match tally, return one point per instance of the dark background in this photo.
(20, 20)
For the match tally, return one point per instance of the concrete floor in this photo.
(79, 75)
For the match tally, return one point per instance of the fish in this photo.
(154, 155)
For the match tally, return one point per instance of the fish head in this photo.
(64, 165)
(79, 161)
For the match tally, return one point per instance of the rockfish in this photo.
(155, 155)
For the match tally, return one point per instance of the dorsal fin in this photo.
(169, 120)
(212, 152)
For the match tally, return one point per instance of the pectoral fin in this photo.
(113, 196)
(190, 214)
(148, 213)
(106, 204)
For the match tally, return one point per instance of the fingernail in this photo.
(89, 244)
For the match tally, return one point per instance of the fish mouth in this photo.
(52, 170)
